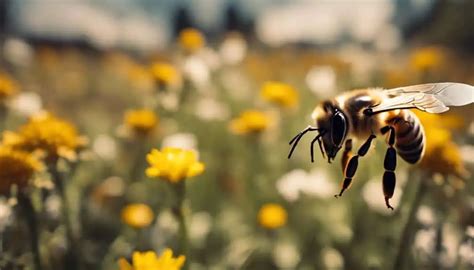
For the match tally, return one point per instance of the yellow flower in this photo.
(249, 122)
(191, 39)
(49, 134)
(142, 122)
(427, 58)
(173, 164)
(150, 261)
(16, 168)
(165, 74)
(442, 155)
(137, 215)
(280, 93)
(8, 87)
(447, 121)
(272, 216)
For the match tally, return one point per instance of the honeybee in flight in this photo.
(364, 114)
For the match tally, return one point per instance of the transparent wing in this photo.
(431, 97)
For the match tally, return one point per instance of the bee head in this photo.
(334, 127)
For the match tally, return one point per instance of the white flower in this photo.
(289, 185)
(105, 147)
(26, 103)
(210, 57)
(199, 227)
(471, 128)
(321, 80)
(450, 246)
(470, 231)
(17, 52)
(467, 153)
(237, 85)
(424, 241)
(239, 251)
(286, 255)
(233, 223)
(425, 215)
(181, 140)
(373, 195)
(170, 101)
(113, 186)
(466, 252)
(319, 184)
(332, 258)
(53, 206)
(5, 215)
(233, 50)
(316, 183)
(209, 109)
(196, 70)
(165, 227)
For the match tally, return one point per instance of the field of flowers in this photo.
(178, 160)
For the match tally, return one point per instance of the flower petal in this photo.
(152, 172)
(195, 169)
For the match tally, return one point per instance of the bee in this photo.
(365, 114)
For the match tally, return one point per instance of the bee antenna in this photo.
(294, 142)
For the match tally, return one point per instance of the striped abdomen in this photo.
(410, 136)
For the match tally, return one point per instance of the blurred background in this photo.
(147, 26)
(233, 81)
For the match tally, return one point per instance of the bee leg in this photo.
(321, 147)
(351, 167)
(316, 139)
(390, 163)
(346, 154)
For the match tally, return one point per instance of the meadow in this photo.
(178, 160)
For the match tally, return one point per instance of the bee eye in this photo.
(338, 128)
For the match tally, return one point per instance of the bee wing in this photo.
(431, 97)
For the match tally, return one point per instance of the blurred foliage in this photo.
(449, 24)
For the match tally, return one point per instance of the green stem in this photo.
(406, 238)
(30, 215)
(157, 105)
(3, 116)
(255, 166)
(143, 239)
(185, 92)
(180, 189)
(438, 246)
(71, 257)
(136, 171)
